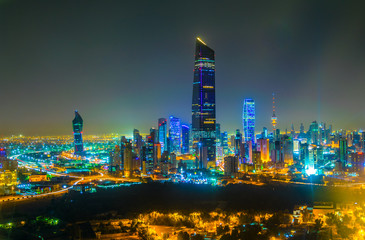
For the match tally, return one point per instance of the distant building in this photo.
(185, 138)
(162, 133)
(78, 124)
(264, 147)
(175, 134)
(343, 151)
(8, 174)
(128, 159)
(249, 116)
(230, 165)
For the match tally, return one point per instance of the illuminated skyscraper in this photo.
(175, 134)
(162, 133)
(185, 139)
(203, 105)
(249, 119)
(78, 124)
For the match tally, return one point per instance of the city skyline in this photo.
(314, 69)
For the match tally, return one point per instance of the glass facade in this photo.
(249, 116)
(175, 134)
(162, 133)
(185, 139)
(203, 103)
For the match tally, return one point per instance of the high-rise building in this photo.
(162, 133)
(185, 135)
(175, 134)
(249, 119)
(8, 174)
(237, 144)
(264, 149)
(230, 165)
(77, 125)
(313, 131)
(343, 151)
(224, 136)
(203, 104)
(128, 159)
(137, 141)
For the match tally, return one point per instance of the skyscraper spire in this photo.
(273, 118)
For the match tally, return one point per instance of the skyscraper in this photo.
(249, 119)
(203, 105)
(175, 134)
(185, 138)
(77, 125)
(162, 133)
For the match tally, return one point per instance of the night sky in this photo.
(124, 64)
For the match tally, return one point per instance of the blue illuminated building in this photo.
(162, 133)
(203, 105)
(248, 118)
(78, 124)
(185, 135)
(175, 134)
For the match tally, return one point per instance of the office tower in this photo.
(162, 133)
(249, 119)
(224, 137)
(287, 145)
(175, 134)
(264, 134)
(185, 135)
(218, 134)
(357, 161)
(137, 141)
(301, 128)
(203, 104)
(343, 151)
(303, 153)
(237, 144)
(123, 141)
(292, 132)
(230, 166)
(277, 153)
(8, 174)
(115, 159)
(128, 159)
(78, 124)
(256, 160)
(273, 118)
(149, 152)
(250, 149)
(264, 148)
(313, 131)
(363, 142)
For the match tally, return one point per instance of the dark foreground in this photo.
(128, 201)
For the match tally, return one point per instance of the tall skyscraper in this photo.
(203, 105)
(185, 138)
(175, 134)
(162, 133)
(77, 125)
(249, 119)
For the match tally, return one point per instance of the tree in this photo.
(183, 236)
(197, 237)
(318, 225)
